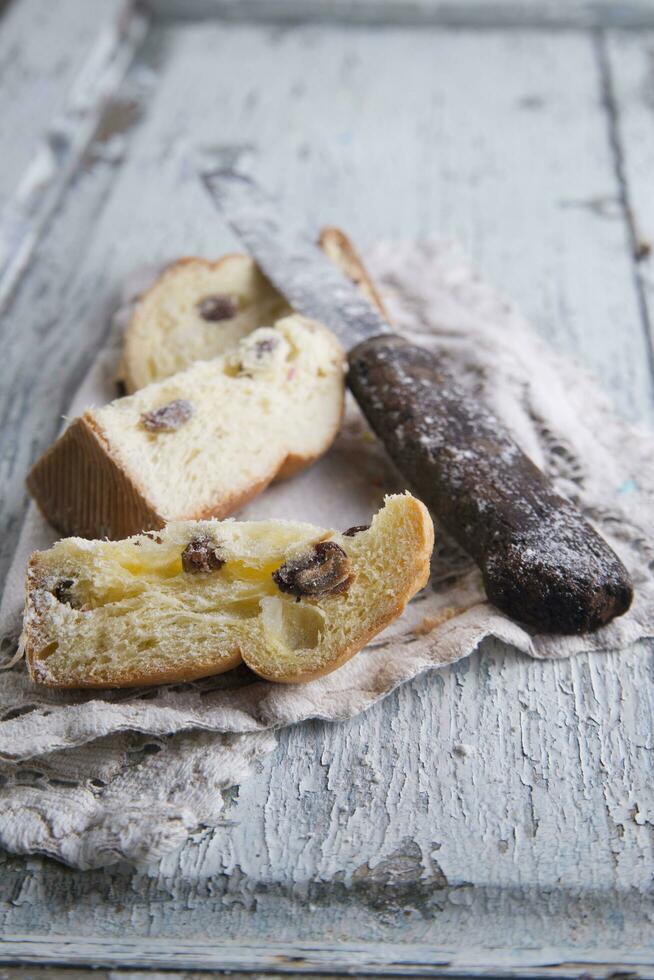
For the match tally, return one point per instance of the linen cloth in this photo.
(92, 778)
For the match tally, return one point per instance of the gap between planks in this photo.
(630, 15)
(611, 106)
(391, 959)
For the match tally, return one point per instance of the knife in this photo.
(541, 562)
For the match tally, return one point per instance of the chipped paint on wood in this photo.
(58, 150)
(42, 49)
(629, 69)
(381, 832)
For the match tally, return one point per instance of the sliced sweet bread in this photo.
(292, 600)
(197, 310)
(200, 443)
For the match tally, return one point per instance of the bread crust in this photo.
(98, 476)
(124, 508)
(148, 680)
(80, 488)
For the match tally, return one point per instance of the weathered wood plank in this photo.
(42, 160)
(33, 972)
(471, 14)
(43, 47)
(359, 959)
(35, 319)
(629, 77)
(500, 798)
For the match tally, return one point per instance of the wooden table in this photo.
(527, 132)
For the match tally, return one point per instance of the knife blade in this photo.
(542, 563)
(292, 260)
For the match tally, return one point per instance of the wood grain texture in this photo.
(360, 959)
(96, 973)
(53, 155)
(628, 67)
(475, 14)
(53, 317)
(43, 48)
(500, 802)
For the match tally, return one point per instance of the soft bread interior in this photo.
(197, 310)
(250, 413)
(131, 612)
(167, 331)
(201, 443)
(311, 637)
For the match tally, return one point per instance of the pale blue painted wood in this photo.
(357, 832)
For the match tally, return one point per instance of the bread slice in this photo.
(167, 331)
(198, 309)
(292, 600)
(338, 247)
(200, 443)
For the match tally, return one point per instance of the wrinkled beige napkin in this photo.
(94, 778)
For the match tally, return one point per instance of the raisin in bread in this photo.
(291, 600)
(200, 443)
(198, 309)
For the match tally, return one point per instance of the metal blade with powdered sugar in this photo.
(293, 263)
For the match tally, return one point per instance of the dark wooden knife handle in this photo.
(542, 563)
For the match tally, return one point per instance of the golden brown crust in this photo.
(171, 676)
(424, 531)
(229, 505)
(338, 247)
(34, 582)
(81, 489)
(83, 461)
(153, 677)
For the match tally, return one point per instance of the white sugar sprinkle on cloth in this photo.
(96, 778)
